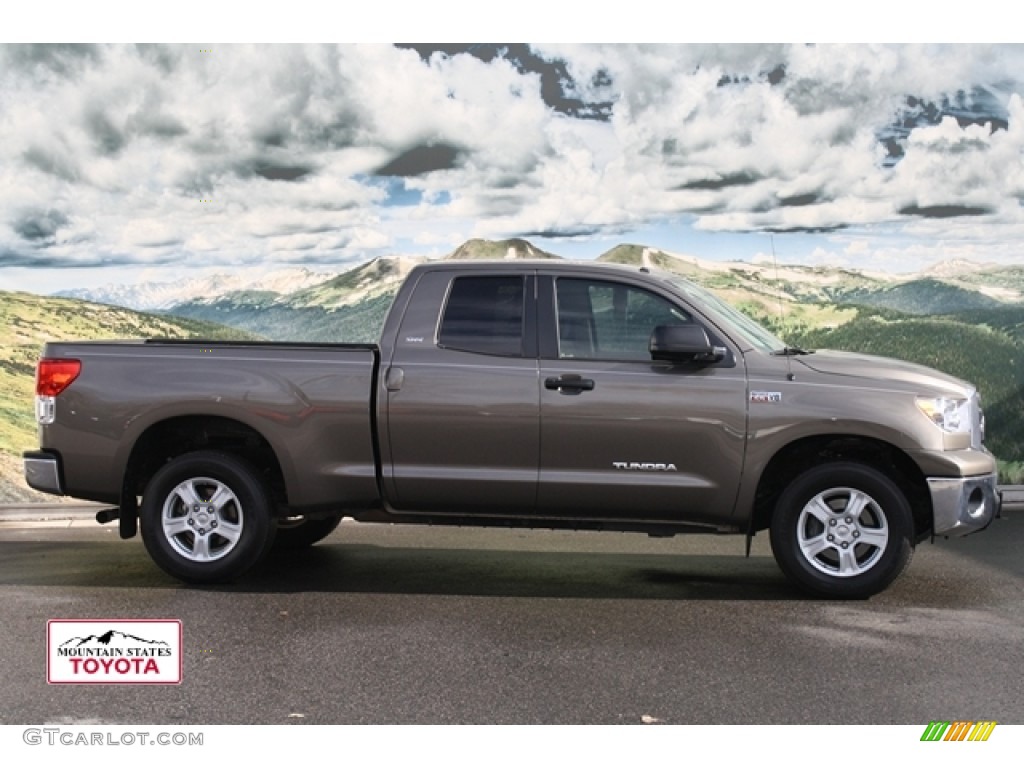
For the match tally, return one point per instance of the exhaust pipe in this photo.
(105, 516)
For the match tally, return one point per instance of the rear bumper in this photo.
(43, 472)
(963, 505)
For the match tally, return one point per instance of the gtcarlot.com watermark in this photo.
(66, 737)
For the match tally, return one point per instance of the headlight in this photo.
(950, 414)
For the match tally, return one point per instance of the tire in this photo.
(302, 532)
(206, 517)
(842, 530)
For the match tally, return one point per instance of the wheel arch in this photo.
(166, 440)
(800, 455)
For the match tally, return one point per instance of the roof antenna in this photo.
(782, 310)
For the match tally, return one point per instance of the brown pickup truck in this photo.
(536, 394)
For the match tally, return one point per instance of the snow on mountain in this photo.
(957, 267)
(365, 281)
(162, 296)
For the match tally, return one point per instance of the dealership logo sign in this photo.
(113, 652)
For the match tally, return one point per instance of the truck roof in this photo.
(529, 265)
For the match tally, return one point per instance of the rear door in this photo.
(462, 397)
(623, 437)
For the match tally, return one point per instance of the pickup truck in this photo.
(517, 393)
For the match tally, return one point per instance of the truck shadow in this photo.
(948, 573)
(961, 572)
(364, 568)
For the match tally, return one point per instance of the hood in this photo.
(876, 368)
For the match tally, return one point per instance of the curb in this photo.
(36, 513)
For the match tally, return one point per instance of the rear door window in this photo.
(484, 315)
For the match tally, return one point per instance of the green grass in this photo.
(1011, 472)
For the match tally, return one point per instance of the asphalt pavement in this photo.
(402, 624)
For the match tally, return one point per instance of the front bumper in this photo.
(963, 505)
(43, 472)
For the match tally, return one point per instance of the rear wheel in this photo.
(207, 517)
(302, 532)
(842, 529)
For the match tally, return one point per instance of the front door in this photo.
(623, 437)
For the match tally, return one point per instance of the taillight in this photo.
(53, 376)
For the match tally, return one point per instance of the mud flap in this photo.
(129, 519)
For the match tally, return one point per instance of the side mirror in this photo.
(684, 343)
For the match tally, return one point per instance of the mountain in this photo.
(1003, 283)
(817, 281)
(799, 295)
(349, 307)
(959, 268)
(927, 296)
(514, 248)
(955, 286)
(375, 278)
(163, 296)
(275, 318)
(26, 321)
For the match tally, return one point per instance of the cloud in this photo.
(421, 160)
(274, 170)
(55, 260)
(720, 182)
(751, 130)
(944, 211)
(39, 225)
(243, 154)
(558, 88)
(56, 161)
(560, 234)
(62, 59)
(107, 137)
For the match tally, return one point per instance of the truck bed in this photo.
(312, 403)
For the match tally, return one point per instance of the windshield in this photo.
(755, 334)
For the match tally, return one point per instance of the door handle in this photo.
(570, 384)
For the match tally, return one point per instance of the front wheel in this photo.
(842, 529)
(206, 517)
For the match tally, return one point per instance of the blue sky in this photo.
(123, 163)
